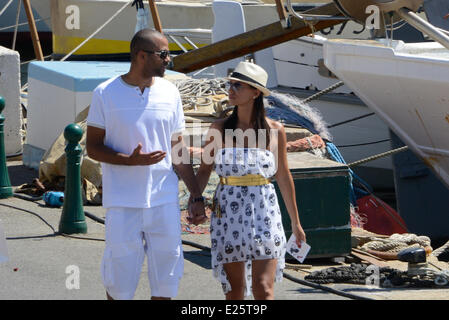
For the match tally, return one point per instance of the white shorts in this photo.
(130, 234)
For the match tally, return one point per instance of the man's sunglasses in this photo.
(163, 54)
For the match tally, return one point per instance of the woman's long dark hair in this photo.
(258, 120)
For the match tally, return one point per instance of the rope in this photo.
(380, 155)
(23, 24)
(6, 7)
(198, 92)
(396, 243)
(19, 6)
(363, 144)
(322, 92)
(98, 30)
(350, 120)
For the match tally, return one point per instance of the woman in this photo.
(247, 237)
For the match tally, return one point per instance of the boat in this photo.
(301, 72)
(358, 139)
(406, 85)
(296, 67)
(75, 20)
(9, 10)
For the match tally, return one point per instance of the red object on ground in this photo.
(380, 217)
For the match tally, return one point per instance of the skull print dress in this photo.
(249, 226)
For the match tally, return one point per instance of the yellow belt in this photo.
(247, 180)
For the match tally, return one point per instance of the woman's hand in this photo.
(299, 234)
(197, 213)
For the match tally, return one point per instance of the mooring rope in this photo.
(323, 92)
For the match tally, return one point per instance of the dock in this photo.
(42, 264)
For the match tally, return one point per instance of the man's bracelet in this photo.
(198, 199)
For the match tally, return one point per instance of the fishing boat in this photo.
(406, 85)
(295, 67)
(73, 21)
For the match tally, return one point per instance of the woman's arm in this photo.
(213, 141)
(207, 162)
(286, 186)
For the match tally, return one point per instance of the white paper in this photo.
(3, 248)
(299, 254)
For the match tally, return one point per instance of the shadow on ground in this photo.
(198, 257)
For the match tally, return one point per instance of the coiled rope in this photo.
(388, 248)
(199, 92)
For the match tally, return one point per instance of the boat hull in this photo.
(114, 38)
(406, 85)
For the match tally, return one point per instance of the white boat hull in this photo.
(407, 86)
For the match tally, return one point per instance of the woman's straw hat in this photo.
(251, 74)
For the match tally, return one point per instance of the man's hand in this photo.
(197, 213)
(138, 158)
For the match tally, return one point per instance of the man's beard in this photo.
(161, 71)
(156, 72)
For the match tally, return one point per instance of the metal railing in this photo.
(183, 35)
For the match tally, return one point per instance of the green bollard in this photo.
(73, 219)
(5, 183)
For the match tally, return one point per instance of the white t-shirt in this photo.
(129, 117)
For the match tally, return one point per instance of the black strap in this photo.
(199, 199)
(138, 4)
(240, 76)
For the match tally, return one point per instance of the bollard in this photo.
(73, 219)
(5, 183)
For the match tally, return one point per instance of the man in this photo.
(134, 122)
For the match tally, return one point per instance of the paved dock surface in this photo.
(42, 264)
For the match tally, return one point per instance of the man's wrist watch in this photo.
(198, 199)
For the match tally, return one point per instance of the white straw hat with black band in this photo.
(251, 74)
